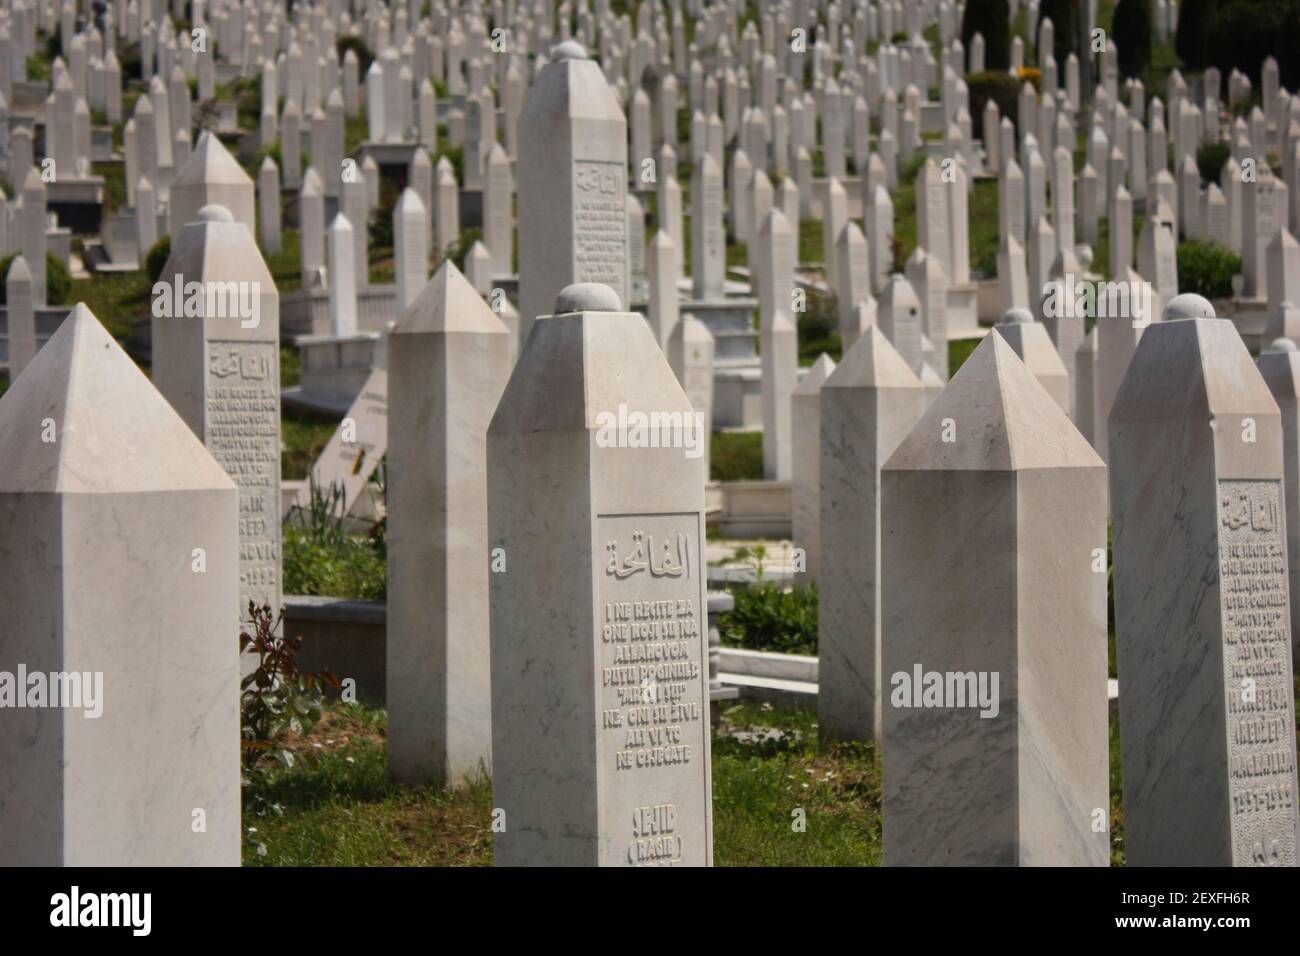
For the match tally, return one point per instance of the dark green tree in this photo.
(1132, 32)
(991, 19)
(1065, 29)
(1195, 17)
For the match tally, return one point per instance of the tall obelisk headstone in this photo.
(220, 369)
(600, 729)
(994, 642)
(449, 359)
(868, 405)
(1280, 366)
(118, 563)
(1202, 612)
(572, 184)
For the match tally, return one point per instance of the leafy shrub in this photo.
(275, 700)
(157, 257)
(1206, 269)
(322, 558)
(991, 19)
(736, 456)
(58, 281)
(1210, 158)
(1192, 38)
(768, 618)
(1132, 32)
(1002, 88)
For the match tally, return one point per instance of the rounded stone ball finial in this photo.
(1189, 305)
(568, 50)
(587, 297)
(215, 213)
(1017, 317)
(1282, 345)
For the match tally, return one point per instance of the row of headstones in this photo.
(993, 728)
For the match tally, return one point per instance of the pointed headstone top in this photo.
(112, 431)
(448, 303)
(872, 362)
(994, 415)
(1188, 367)
(816, 376)
(210, 163)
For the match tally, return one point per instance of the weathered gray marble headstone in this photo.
(20, 316)
(779, 347)
(268, 201)
(447, 206)
(1279, 364)
(32, 222)
(1031, 343)
(1204, 646)
(342, 278)
(1085, 387)
(572, 180)
(411, 247)
(994, 640)
(662, 279)
(449, 359)
(690, 354)
(216, 358)
(498, 212)
(805, 461)
(106, 490)
(868, 405)
(600, 733)
(211, 176)
(899, 316)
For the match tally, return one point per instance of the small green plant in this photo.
(766, 617)
(275, 700)
(322, 558)
(1206, 269)
(1210, 159)
(756, 555)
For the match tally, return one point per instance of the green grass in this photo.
(959, 351)
(344, 811)
(785, 798)
(811, 240)
(782, 796)
(302, 435)
(348, 566)
(736, 456)
(118, 299)
(285, 265)
(114, 185)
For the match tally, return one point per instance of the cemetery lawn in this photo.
(767, 765)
